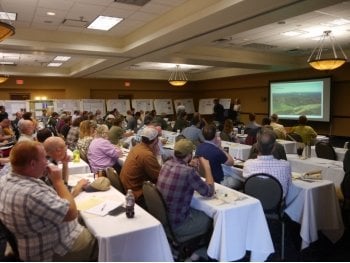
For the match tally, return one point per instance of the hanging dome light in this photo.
(177, 77)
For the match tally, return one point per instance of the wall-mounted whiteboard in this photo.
(66, 105)
(93, 105)
(122, 105)
(142, 104)
(163, 106)
(206, 106)
(12, 106)
(188, 103)
(226, 103)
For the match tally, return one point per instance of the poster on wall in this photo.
(66, 105)
(122, 105)
(188, 103)
(163, 106)
(206, 106)
(12, 106)
(92, 105)
(142, 104)
(226, 103)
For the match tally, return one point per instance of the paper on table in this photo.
(75, 178)
(88, 203)
(103, 208)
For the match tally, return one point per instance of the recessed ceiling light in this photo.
(54, 64)
(293, 33)
(8, 16)
(61, 58)
(104, 23)
(51, 13)
(7, 63)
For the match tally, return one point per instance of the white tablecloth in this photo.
(289, 146)
(237, 150)
(331, 170)
(316, 207)
(141, 238)
(80, 167)
(238, 226)
(340, 152)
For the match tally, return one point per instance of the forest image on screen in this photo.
(297, 99)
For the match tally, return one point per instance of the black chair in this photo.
(113, 176)
(156, 206)
(7, 236)
(294, 137)
(325, 150)
(345, 189)
(269, 191)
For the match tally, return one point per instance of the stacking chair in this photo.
(294, 137)
(113, 176)
(269, 191)
(325, 150)
(7, 237)
(156, 206)
(345, 188)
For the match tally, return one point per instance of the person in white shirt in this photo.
(266, 163)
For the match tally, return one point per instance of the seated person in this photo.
(227, 132)
(266, 163)
(102, 153)
(278, 128)
(141, 164)
(306, 132)
(211, 150)
(252, 124)
(193, 132)
(278, 151)
(177, 181)
(50, 231)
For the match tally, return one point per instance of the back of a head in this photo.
(228, 125)
(52, 143)
(265, 141)
(102, 130)
(252, 116)
(274, 117)
(266, 121)
(302, 120)
(43, 134)
(23, 153)
(209, 132)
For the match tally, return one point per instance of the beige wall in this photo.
(251, 89)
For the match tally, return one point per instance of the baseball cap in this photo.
(99, 184)
(110, 116)
(150, 133)
(184, 146)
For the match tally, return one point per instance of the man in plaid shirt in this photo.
(178, 179)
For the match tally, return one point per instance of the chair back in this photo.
(345, 186)
(113, 176)
(7, 236)
(294, 137)
(267, 189)
(325, 150)
(156, 206)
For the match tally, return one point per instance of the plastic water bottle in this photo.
(129, 204)
(76, 156)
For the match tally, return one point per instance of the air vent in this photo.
(132, 2)
(259, 46)
(75, 22)
(221, 40)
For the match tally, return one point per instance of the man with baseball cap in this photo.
(141, 164)
(178, 179)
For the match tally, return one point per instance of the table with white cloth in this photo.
(141, 238)
(237, 150)
(314, 205)
(80, 167)
(289, 146)
(340, 152)
(330, 170)
(239, 225)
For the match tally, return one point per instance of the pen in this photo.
(103, 207)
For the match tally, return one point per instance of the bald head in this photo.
(55, 147)
(26, 127)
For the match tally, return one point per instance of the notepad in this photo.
(104, 208)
